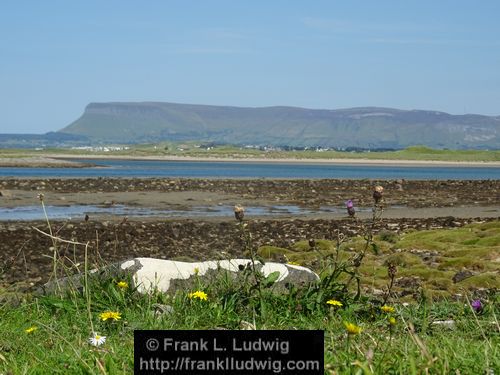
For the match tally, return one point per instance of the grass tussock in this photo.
(433, 257)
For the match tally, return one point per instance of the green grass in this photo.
(228, 151)
(60, 344)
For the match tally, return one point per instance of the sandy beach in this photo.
(61, 161)
(288, 160)
(41, 162)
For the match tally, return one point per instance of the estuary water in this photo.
(120, 210)
(227, 169)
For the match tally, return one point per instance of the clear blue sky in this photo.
(57, 56)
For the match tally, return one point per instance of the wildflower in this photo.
(334, 302)
(352, 328)
(239, 212)
(122, 284)
(31, 329)
(110, 315)
(377, 193)
(198, 294)
(387, 309)
(392, 320)
(477, 305)
(97, 340)
(350, 208)
(392, 270)
(196, 270)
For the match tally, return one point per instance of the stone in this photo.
(377, 292)
(444, 323)
(408, 282)
(399, 184)
(5, 194)
(162, 310)
(169, 276)
(247, 326)
(462, 275)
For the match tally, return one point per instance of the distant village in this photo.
(101, 148)
(210, 146)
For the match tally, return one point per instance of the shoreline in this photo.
(408, 206)
(287, 197)
(375, 162)
(42, 162)
(193, 214)
(68, 161)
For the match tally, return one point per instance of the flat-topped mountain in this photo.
(367, 127)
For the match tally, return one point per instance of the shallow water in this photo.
(79, 211)
(222, 169)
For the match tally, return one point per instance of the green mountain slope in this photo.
(368, 127)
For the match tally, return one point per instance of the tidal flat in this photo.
(410, 207)
(434, 256)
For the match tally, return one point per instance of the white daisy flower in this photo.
(97, 340)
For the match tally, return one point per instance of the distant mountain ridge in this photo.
(366, 127)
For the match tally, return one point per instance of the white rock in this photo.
(150, 274)
(445, 323)
(157, 274)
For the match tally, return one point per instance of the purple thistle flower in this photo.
(350, 207)
(477, 305)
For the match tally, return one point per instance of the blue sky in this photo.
(58, 56)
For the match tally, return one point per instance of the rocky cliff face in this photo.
(368, 127)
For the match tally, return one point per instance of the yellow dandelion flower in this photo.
(334, 302)
(122, 284)
(198, 294)
(392, 320)
(31, 329)
(110, 315)
(387, 309)
(352, 328)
